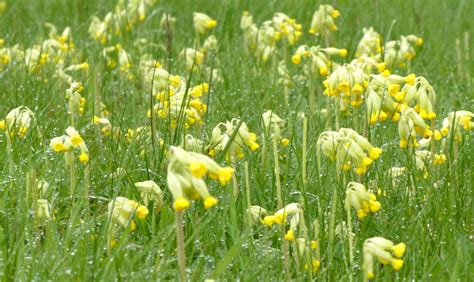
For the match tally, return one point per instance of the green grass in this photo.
(435, 221)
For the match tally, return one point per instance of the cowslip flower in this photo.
(385, 251)
(272, 123)
(287, 27)
(167, 21)
(328, 144)
(68, 143)
(75, 100)
(104, 123)
(124, 17)
(291, 213)
(395, 173)
(318, 57)
(171, 104)
(17, 122)
(203, 23)
(435, 159)
(210, 44)
(261, 41)
(122, 211)
(455, 122)
(159, 79)
(409, 125)
(350, 81)
(193, 58)
(43, 211)
(362, 201)
(424, 157)
(373, 152)
(150, 191)
(398, 53)
(250, 30)
(323, 20)
(349, 149)
(256, 213)
(221, 136)
(307, 251)
(423, 93)
(191, 143)
(186, 171)
(370, 44)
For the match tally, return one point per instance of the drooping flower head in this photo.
(185, 178)
(203, 23)
(68, 143)
(122, 211)
(150, 191)
(323, 20)
(222, 134)
(17, 122)
(385, 251)
(362, 201)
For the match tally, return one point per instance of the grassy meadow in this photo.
(114, 101)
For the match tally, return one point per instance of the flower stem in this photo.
(247, 190)
(72, 177)
(349, 238)
(305, 144)
(277, 172)
(280, 205)
(180, 246)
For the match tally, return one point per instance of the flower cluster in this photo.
(362, 201)
(261, 41)
(392, 54)
(125, 16)
(150, 191)
(186, 171)
(318, 59)
(235, 135)
(385, 251)
(349, 149)
(122, 211)
(457, 121)
(273, 125)
(17, 122)
(68, 143)
(323, 20)
(203, 23)
(291, 214)
(175, 100)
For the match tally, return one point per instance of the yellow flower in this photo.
(290, 235)
(83, 157)
(268, 220)
(142, 212)
(399, 250)
(203, 22)
(225, 174)
(198, 169)
(122, 210)
(284, 142)
(374, 153)
(397, 264)
(180, 204)
(382, 249)
(362, 201)
(296, 59)
(210, 202)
